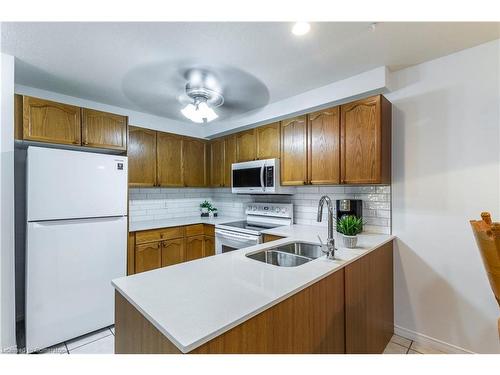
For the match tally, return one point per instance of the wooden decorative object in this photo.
(487, 236)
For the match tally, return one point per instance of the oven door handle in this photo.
(238, 236)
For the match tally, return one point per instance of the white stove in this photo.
(259, 216)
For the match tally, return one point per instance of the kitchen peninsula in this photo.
(239, 305)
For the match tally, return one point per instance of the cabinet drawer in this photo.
(158, 234)
(209, 230)
(194, 230)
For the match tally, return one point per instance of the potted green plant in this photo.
(205, 208)
(212, 211)
(350, 226)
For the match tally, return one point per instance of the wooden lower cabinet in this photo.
(271, 237)
(147, 256)
(172, 252)
(155, 248)
(209, 246)
(194, 247)
(369, 302)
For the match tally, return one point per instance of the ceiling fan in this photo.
(204, 95)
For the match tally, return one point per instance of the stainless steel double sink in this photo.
(289, 255)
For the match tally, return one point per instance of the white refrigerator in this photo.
(76, 242)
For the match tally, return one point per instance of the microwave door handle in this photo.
(262, 169)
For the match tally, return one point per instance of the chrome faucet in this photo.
(330, 241)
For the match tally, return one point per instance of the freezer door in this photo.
(64, 184)
(69, 268)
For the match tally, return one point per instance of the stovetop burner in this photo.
(244, 224)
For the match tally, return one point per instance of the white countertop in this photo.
(135, 226)
(214, 294)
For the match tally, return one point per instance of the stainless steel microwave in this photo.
(257, 177)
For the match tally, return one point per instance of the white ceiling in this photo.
(139, 66)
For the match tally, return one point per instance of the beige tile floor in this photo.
(103, 342)
(401, 345)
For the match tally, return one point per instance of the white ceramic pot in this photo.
(204, 210)
(350, 241)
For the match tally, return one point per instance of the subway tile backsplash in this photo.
(165, 203)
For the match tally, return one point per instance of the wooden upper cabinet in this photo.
(141, 157)
(216, 163)
(294, 151)
(268, 141)
(324, 146)
(229, 158)
(104, 130)
(47, 121)
(246, 146)
(172, 252)
(169, 158)
(194, 162)
(147, 257)
(195, 247)
(366, 141)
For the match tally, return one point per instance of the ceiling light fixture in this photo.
(301, 28)
(204, 100)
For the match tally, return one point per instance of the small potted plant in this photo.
(212, 211)
(350, 226)
(205, 208)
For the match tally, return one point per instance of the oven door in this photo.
(226, 241)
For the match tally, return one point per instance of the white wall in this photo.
(361, 85)
(7, 305)
(134, 118)
(446, 166)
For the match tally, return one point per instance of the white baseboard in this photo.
(430, 341)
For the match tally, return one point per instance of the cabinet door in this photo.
(217, 163)
(147, 257)
(141, 157)
(361, 141)
(268, 141)
(369, 302)
(209, 246)
(194, 162)
(294, 151)
(229, 158)
(47, 121)
(104, 130)
(194, 247)
(246, 145)
(324, 146)
(172, 252)
(169, 158)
